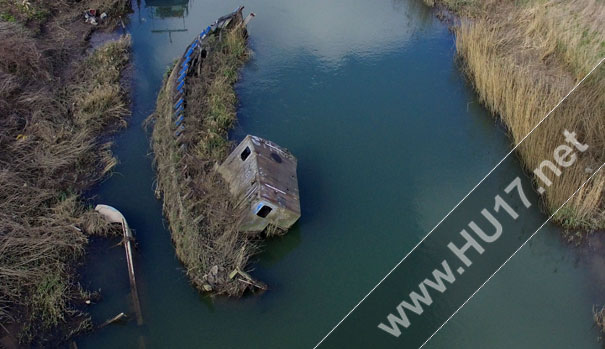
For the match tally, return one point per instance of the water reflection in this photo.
(333, 30)
(277, 249)
(167, 9)
(388, 137)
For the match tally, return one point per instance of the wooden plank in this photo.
(114, 216)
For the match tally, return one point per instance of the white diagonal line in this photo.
(458, 204)
(514, 253)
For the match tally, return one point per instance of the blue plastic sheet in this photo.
(185, 61)
(178, 104)
(184, 69)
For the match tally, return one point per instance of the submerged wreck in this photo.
(217, 209)
(262, 180)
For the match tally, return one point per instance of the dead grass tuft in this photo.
(599, 317)
(522, 59)
(51, 152)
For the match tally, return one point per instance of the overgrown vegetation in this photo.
(599, 317)
(523, 57)
(35, 13)
(197, 203)
(54, 108)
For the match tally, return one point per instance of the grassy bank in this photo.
(196, 201)
(55, 105)
(523, 57)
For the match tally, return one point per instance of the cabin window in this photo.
(264, 211)
(245, 154)
(276, 158)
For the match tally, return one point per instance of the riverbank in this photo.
(522, 58)
(187, 146)
(58, 103)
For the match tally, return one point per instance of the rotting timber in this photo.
(262, 180)
(195, 111)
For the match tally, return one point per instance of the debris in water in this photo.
(116, 318)
(112, 215)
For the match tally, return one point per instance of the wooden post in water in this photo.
(114, 216)
(133, 283)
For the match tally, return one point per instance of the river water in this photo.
(389, 137)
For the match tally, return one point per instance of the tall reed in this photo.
(522, 59)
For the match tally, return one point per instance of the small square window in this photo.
(264, 211)
(245, 154)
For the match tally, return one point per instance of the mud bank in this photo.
(58, 104)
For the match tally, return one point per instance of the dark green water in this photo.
(389, 137)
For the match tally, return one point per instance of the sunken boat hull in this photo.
(195, 111)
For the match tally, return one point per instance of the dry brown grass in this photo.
(196, 201)
(599, 317)
(573, 31)
(35, 13)
(51, 119)
(522, 59)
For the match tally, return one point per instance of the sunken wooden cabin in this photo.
(262, 179)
